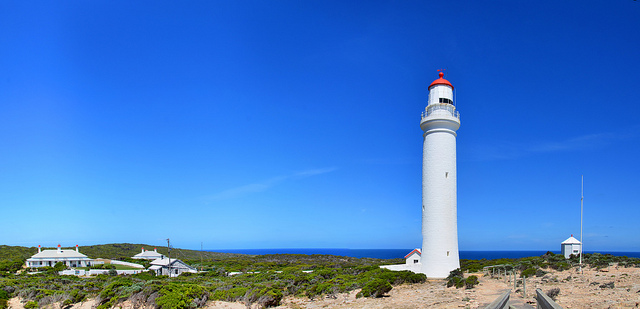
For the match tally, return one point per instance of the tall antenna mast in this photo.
(581, 212)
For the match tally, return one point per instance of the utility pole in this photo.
(169, 249)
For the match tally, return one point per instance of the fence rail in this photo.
(545, 302)
(501, 302)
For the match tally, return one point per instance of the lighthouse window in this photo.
(445, 100)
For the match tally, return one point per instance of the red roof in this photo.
(410, 253)
(440, 81)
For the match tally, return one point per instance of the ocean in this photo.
(400, 253)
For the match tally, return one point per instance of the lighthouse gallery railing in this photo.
(439, 108)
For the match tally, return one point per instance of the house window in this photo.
(575, 251)
(415, 261)
(447, 253)
(445, 100)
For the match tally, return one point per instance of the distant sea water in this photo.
(400, 253)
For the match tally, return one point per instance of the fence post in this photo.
(524, 287)
(514, 280)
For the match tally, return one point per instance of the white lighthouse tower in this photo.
(440, 121)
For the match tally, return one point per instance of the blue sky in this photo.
(295, 124)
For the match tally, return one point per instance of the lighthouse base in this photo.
(416, 268)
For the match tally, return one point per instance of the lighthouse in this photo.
(440, 121)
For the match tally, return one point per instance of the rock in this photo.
(609, 285)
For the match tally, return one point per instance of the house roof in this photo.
(571, 240)
(416, 250)
(165, 262)
(148, 255)
(55, 254)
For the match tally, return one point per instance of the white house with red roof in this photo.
(414, 256)
(70, 258)
(413, 262)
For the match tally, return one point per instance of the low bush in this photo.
(471, 282)
(375, 288)
(456, 278)
(540, 273)
(181, 296)
(553, 293)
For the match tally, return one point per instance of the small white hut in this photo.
(413, 257)
(570, 246)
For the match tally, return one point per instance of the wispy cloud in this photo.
(510, 150)
(267, 184)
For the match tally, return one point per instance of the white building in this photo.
(148, 255)
(170, 267)
(413, 257)
(570, 246)
(440, 121)
(412, 262)
(70, 258)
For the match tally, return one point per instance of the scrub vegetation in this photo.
(536, 265)
(262, 280)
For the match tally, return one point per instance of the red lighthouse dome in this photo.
(441, 81)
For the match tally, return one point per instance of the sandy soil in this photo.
(576, 291)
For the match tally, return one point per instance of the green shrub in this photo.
(540, 273)
(3, 303)
(471, 282)
(455, 281)
(31, 305)
(111, 293)
(60, 266)
(528, 272)
(180, 296)
(375, 288)
(269, 297)
(456, 278)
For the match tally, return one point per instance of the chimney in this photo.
(59, 249)
(39, 249)
(77, 248)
